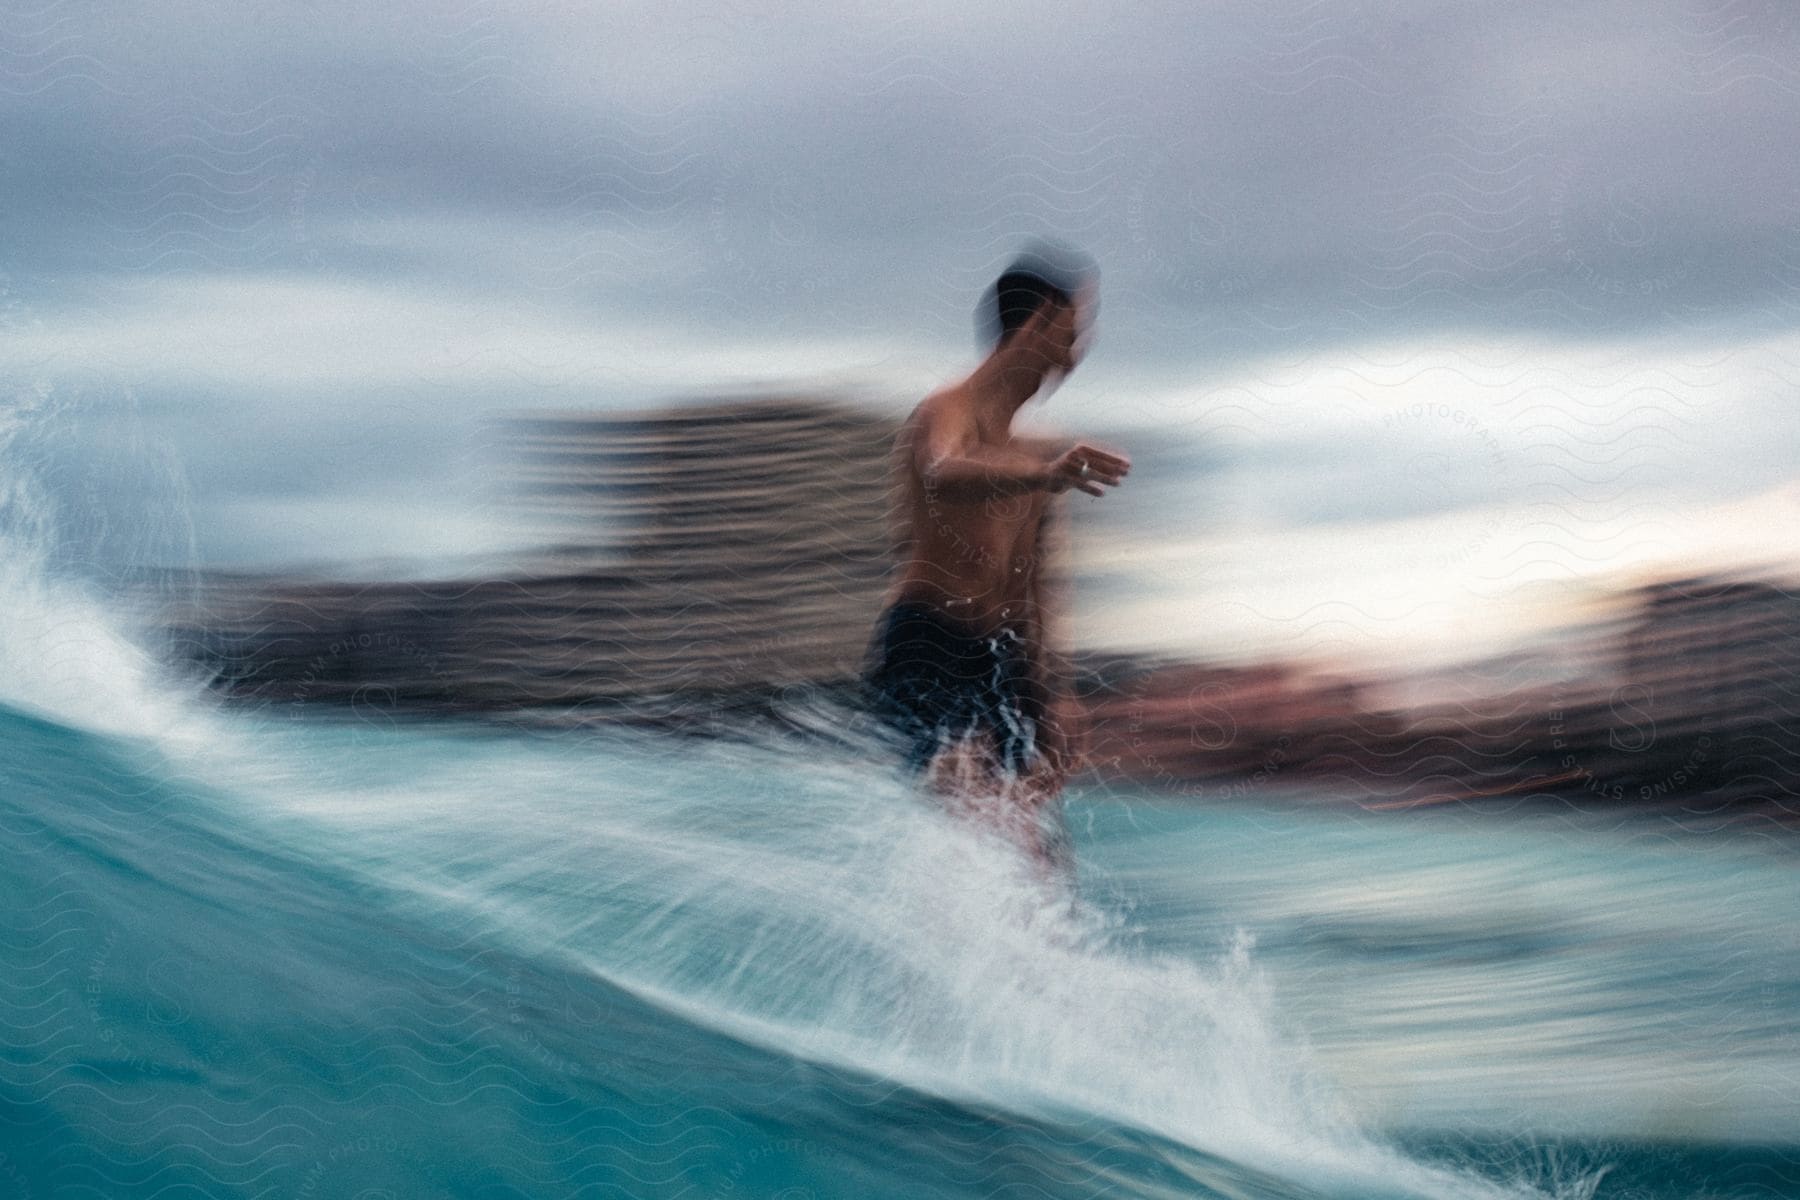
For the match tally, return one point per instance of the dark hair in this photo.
(1043, 273)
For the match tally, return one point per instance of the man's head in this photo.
(1041, 307)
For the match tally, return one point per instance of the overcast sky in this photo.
(1408, 310)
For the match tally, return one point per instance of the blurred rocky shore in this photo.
(697, 567)
(1684, 700)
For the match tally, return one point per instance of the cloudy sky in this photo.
(1415, 316)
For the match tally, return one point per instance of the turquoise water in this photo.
(253, 956)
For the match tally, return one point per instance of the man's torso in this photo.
(975, 560)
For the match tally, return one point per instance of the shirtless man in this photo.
(961, 658)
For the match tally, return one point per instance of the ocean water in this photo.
(249, 955)
(262, 954)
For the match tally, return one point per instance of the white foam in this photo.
(65, 653)
(818, 909)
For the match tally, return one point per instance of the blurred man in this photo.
(961, 663)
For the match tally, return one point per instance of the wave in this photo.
(243, 953)
(232, 960)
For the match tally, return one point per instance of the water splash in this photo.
(68, 649)
(822, 911)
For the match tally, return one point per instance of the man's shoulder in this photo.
(948, 399)
(945, 410)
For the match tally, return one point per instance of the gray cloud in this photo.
(1258, 181)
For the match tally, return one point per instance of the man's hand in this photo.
(1087, 468)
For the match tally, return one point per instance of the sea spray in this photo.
(68, 647)
(823, 911)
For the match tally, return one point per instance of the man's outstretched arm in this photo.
(952, 463)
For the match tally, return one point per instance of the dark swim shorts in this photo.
(933, 683)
